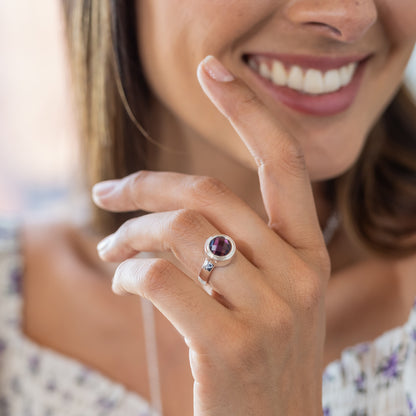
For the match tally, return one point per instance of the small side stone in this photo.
(208, 266)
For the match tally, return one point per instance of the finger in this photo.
(194, 314)
(184, 232)
(221, 207)
(284, 180)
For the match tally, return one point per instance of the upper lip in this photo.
(323, 63)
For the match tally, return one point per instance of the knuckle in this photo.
(126, 229)
(205, 189)
(246, 104)
(292, 157)
(123, 281)
(185, 220)
(310, 292)
(155, 276)
(138, 177)
(135, 182)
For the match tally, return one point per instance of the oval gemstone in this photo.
(220, 246)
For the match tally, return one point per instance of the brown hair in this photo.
(376, 196)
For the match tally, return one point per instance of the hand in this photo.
(260, 350)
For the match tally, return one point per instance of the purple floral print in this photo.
(15, 282)
(411, 405)
(360, 383)
(391, 367)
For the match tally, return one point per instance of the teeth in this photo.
(279, 75)
(332, 80)
(295, 80)
(253, 64)
(313, 82)
(309, 81)
(346, 73)
(264, 70)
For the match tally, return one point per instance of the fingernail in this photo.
(103, 188)
(216, 70)
(104, 245)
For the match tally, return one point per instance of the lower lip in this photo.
(317, 105)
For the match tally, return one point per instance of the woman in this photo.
(298, 120)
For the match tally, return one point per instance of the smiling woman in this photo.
(387, 218)
(256, 165)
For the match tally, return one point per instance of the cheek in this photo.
(159, 34)
(399, 17)
(175, 35)
(331, 149)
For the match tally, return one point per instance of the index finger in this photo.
(285, 185)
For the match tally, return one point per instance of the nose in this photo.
(344, 20)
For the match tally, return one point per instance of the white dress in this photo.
(370, 379)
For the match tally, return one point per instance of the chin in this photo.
(326, 171)
(324, 162)
(330, 165)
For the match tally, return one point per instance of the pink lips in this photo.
(318, 105)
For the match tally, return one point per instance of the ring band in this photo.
(219, 250)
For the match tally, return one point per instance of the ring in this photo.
(219, 250)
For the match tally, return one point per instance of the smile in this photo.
(309, 84)
(306, 80)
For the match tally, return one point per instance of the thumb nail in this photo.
(215, 69)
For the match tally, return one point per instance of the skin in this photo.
(273, 291)
(174, 37)
(275, 294)
(269, 303)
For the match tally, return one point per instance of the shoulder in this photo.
(33, 260)
(49, 250)
(58, 261)
(43, 243)
(68, 304)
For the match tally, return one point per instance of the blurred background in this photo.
(38, 137)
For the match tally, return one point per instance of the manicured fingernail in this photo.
(103, 188)
(216, 70)
(104, 245)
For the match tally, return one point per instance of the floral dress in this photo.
(370, 379)
(374, 378)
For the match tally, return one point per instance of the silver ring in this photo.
(219, 251)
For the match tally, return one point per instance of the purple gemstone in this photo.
(220, 246)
